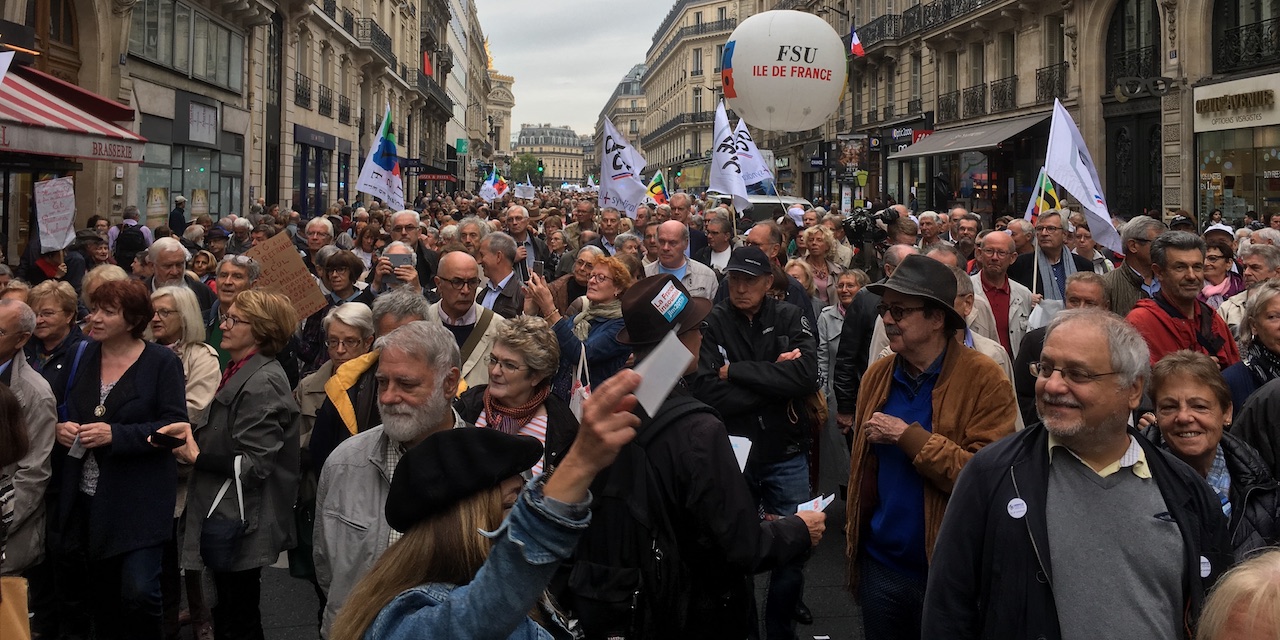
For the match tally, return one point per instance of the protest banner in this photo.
(56, 212)
(284, 272)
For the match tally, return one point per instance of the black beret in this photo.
(450, 466)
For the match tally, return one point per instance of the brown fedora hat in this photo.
(923, 277)
(654, 306)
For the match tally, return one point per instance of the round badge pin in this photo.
(1017, 508)
(1205, 567)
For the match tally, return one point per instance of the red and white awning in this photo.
(33, 120)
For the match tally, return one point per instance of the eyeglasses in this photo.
(459, 284)
(1073, 375)
(996, 253)
(405, 228)
(1048, 229)
(897, 312)
(1214, 258)
(165, 313)
(231, 321)
(239, 259)
(599, 277)
(507, 365)
(350, 344)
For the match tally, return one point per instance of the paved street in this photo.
(289, 606)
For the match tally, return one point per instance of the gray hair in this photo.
(242, 223)
(5, 270)
(194, 233)
(131, 212)
(663, 207)
(964, 284)
(243, 261)
(1177, 240)
(1259, 298)
(591, 250)
(356, 315)
(931, 216)
(406, 212)
(1138, 227)
(26, 317)
(1271, 236)
(477, 222)
(895, 254)
(724, 225)
(321, 259)
(608, 209)
(449, 233)
(1130, 357)
(1021, 224)
(320, 222)
(501, 244)
(413, 255)
(1269, 253)
(624, 238)
(226, 222)
(400, 303)
(533, 339)
(775, 231)
(428, 342)
(188, 310)
(946, 247)
(167, 244)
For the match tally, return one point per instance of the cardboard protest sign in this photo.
(284, 272)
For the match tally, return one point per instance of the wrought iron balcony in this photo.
(301, 90)
(431, 90)
(1051, 82)
(324, 101)
(949, 106)
(1004, 94)
(857, 118)
(349, 21)
(915, 105)
(889, 111)
(331, 9)
(344, 110)
(912, 19)
(1248, 45)
(372, 37)
(694, 30)
(696, 72)
(941, 12)
(886, 27)
(682, 119)
(975, 101)
(1142, 63)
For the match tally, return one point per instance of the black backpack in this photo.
(129, 241)
(626, 578)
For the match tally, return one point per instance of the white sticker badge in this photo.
(670, 301)
(1205, 567)
(1017, 508)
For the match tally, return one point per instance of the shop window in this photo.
(178, 36)
(1239, 171)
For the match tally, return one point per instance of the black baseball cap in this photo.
(749, 260)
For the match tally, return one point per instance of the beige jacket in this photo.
(475, 366)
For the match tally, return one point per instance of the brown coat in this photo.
(973, 406)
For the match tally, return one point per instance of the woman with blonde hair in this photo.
(445, 578)
(819, 244)
(57, 333)
(1245, 603)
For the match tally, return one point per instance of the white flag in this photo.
(726, 165)
(620, 167)
(6, 58)
(489, 190)
(380, 176)
(1068, 163)
(754, 168)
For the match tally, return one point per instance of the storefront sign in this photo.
(917, 136)
(1250, 102)
(313, 138)
(20, 138)
(56, 212)
(203, 123)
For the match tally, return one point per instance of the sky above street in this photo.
(567, 56)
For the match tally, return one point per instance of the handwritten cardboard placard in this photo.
(284, 272)
(56, 212)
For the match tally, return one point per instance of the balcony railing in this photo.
(629, 110)
(349, 21)
(886, 27)
(324, 101)
(975, 101)
(941, 12)
(888, 112)
(696, 72)
(912, 19)
(873, 116)
(1004, 94)
(301, 90)
(857, 118)
(705, 28)
(331, 9)
(1248, 45)
(344, 110)
(1142, 63)
(949, 106)
(429, 88)
(915, 105)
(371, 36)
(1051, 82)
(682, 119)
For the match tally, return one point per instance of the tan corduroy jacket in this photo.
(973, 406)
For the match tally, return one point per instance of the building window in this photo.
(697, 61)
(977, 64)
(697, 17)
(891, 84)
(719, 57)
(1133, 41)
(917, 74)
(697, 99)
(951, 71)
(1007, 61)
(190, 42)
(1053, 39)
(635, 126)
(722, 14)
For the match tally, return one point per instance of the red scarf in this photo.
(234, 368)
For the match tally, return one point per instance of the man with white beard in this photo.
(418, 374)
(170, 258)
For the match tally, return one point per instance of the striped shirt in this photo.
(537, 428)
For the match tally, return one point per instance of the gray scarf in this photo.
(1048, 284)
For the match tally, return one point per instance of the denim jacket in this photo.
(533, 540)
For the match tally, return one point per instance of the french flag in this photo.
(855, 45)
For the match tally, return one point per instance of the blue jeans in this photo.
(780, 487)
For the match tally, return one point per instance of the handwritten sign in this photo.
(283, 272)
(56, 212)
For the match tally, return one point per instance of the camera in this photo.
(861, 228)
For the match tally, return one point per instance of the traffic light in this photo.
(677, 173)
(539, 166)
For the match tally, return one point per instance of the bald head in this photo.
(673, 238)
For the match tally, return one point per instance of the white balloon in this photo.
(784, 70)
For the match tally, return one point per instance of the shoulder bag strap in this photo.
(71, 377)
(227, 485)
(473, 340)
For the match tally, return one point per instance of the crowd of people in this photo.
(1042, 436)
